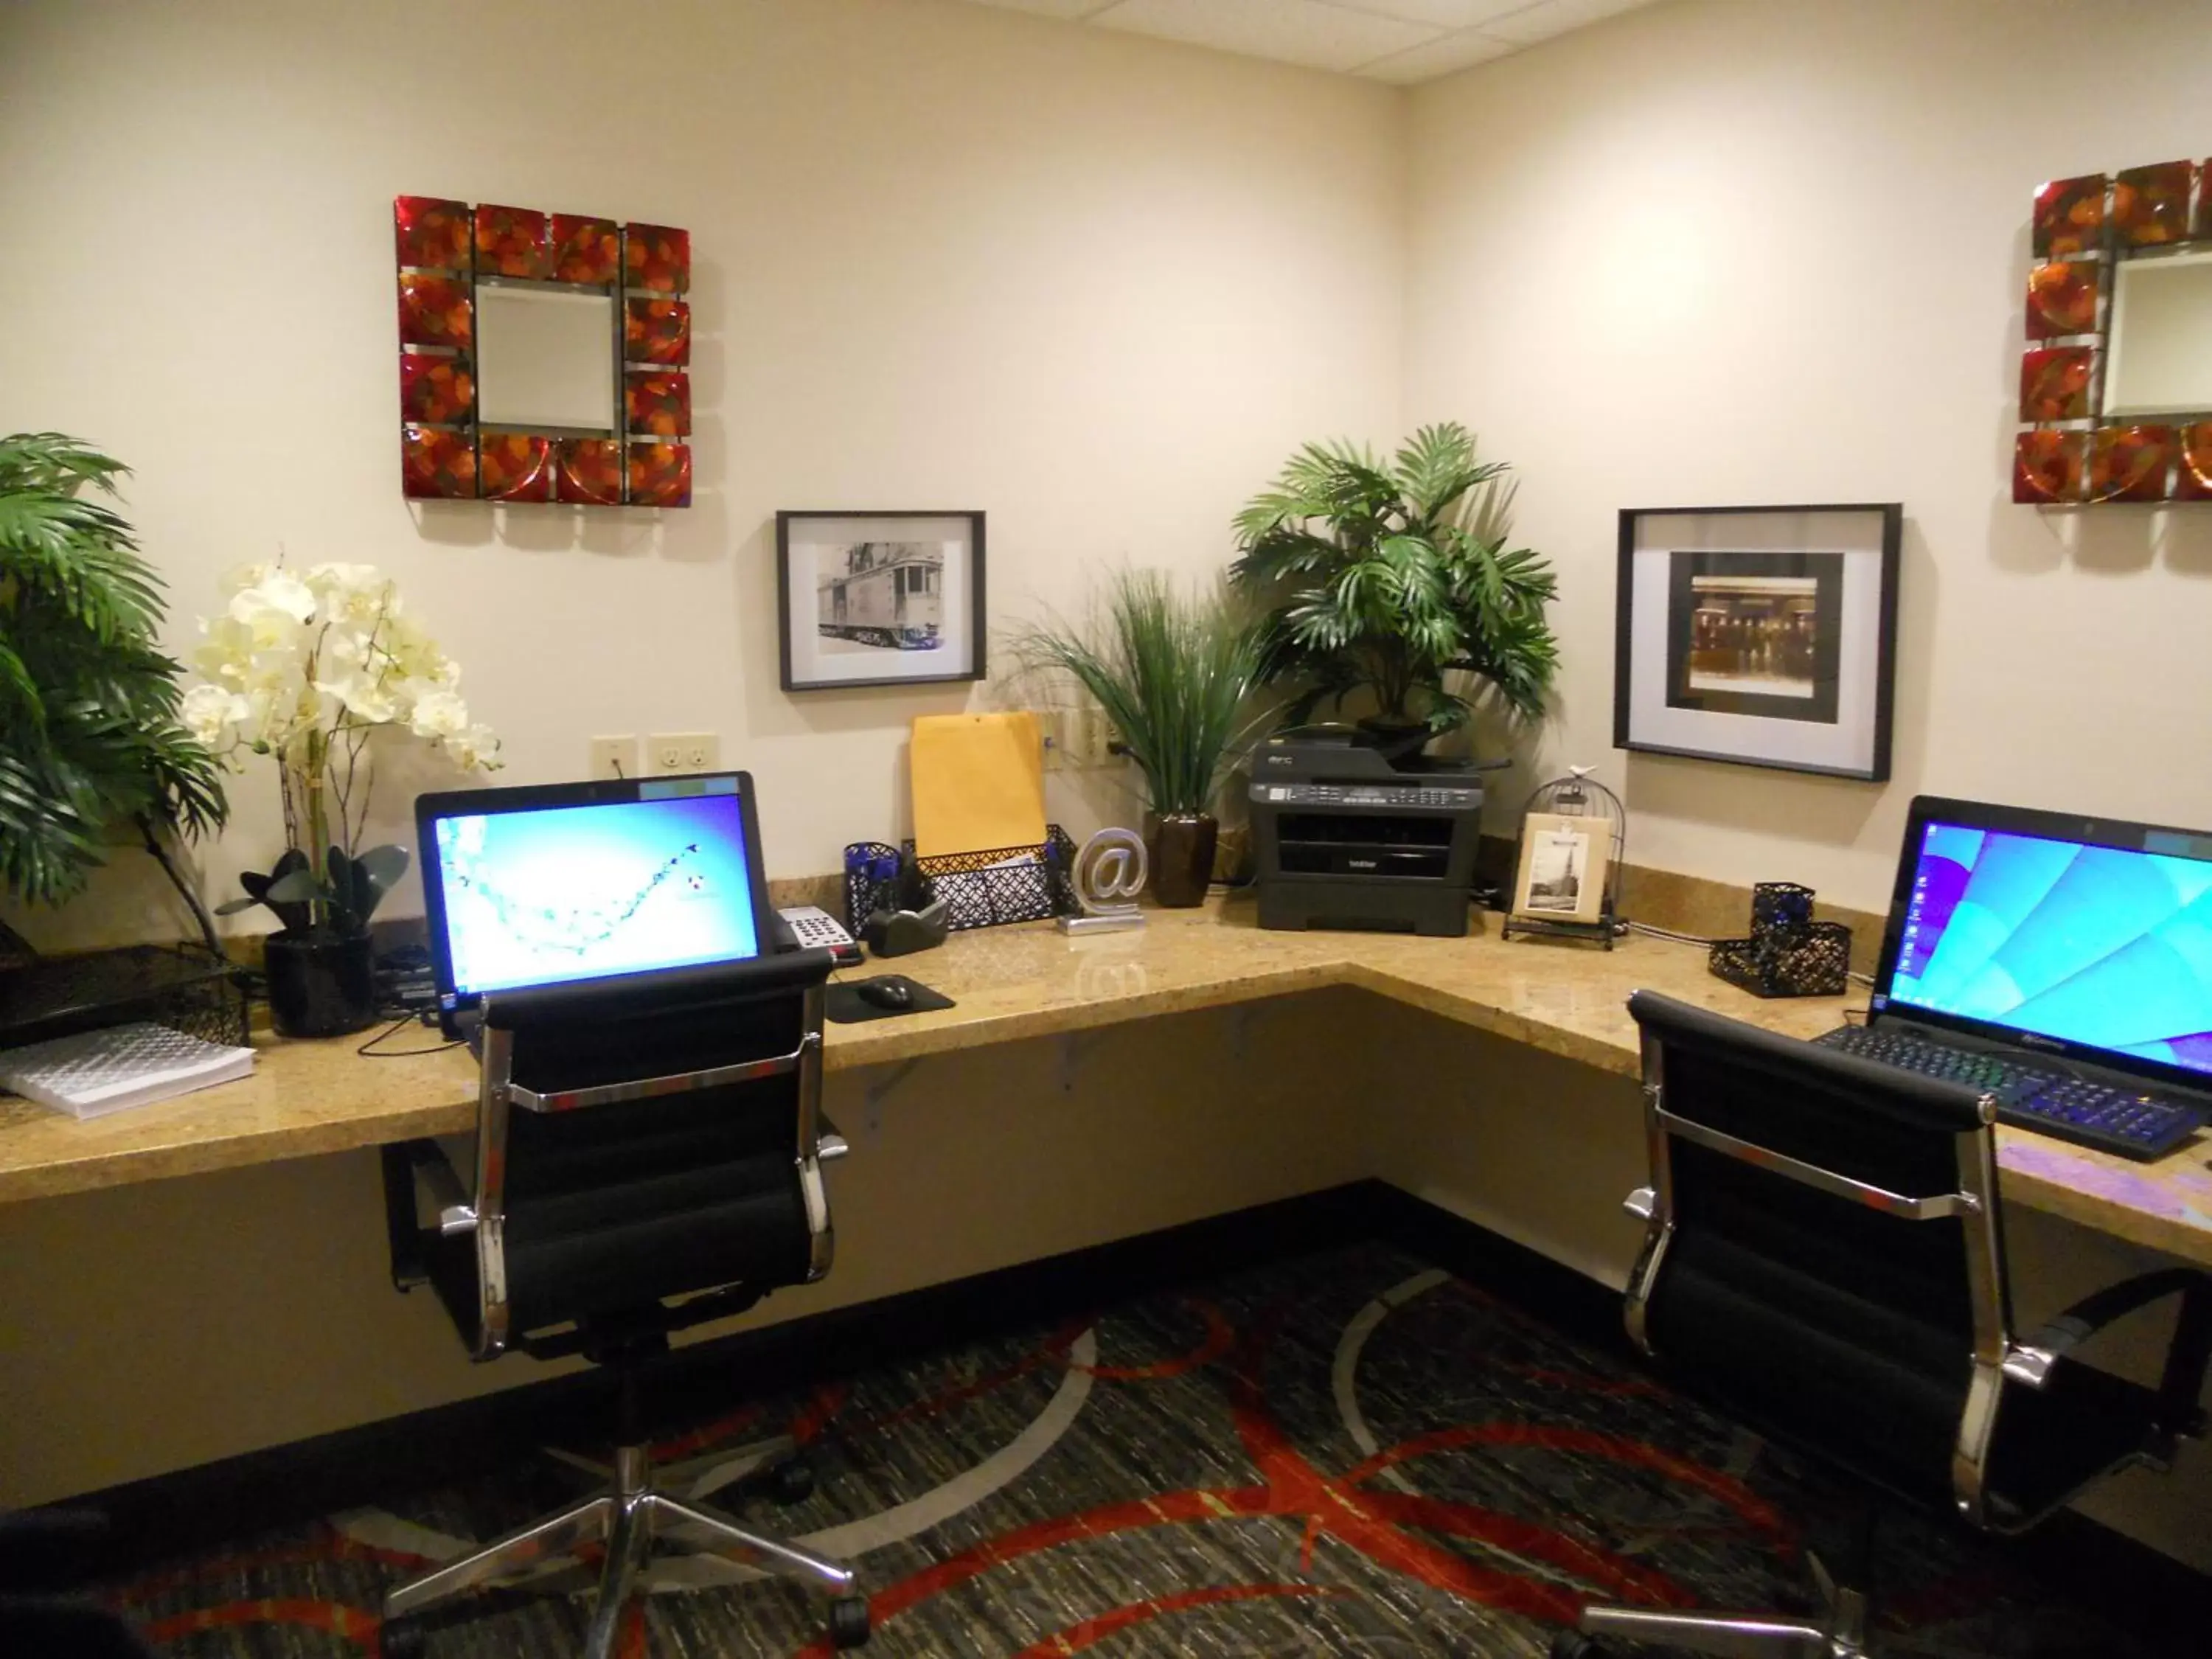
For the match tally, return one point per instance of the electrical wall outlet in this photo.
(1091, 737)
(1051, 726)
(614, 758)
(683, 751)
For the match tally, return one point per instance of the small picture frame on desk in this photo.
(1764, 635)
(880, 598)
(1562, 877)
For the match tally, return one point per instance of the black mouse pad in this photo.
(844, 1007)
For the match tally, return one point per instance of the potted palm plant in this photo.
(307, 669)
(89, 730)
(1174, 670)
(1390, 577)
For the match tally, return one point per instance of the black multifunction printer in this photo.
(1345, 836)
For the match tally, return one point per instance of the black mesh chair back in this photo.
(640, 1141)
(1824, 1258)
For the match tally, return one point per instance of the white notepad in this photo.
(96, 1072)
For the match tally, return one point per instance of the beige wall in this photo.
(1773, 251)
(945, 257)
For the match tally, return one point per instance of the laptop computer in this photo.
(2062, 963)
(534, 886)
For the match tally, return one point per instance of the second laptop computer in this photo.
(2063, 964)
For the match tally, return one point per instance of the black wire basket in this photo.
(980, 889)
(1788, 954)
(183, 987)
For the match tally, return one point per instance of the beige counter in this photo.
(1031, 982)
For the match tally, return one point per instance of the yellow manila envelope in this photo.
(978, 783)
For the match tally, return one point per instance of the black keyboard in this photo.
(2122, 1121)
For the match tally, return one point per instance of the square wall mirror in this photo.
(2162, 361)
(543, 357)
(2116, 383)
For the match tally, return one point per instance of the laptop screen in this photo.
(531, 889)
(2079, 937)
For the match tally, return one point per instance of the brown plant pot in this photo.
(320, 984)
(1179, 846)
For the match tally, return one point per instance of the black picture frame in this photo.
(1797, 586)
(881, 618)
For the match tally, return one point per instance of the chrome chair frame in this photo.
(634, 1511)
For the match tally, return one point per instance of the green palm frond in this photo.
(1383, 579)
(88, 729)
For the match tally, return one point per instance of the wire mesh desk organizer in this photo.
(182, 986)
(1788, 954)
(1583, 900)
(980, 889)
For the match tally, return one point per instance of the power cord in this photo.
(373, 1049)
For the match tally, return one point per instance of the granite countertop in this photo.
(1030, 980)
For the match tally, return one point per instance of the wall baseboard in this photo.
(152, 1520)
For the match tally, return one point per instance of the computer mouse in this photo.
(885, 993)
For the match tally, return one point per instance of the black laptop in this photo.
(2063, 963)
(533, 886)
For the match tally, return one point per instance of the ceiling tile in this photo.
(1444, 14)
(1550, 17)
(1306, 32)
(1067, 8)
(1445, 57)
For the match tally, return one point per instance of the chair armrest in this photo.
(2188, 1355)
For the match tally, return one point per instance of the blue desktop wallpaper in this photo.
(576, 892)
(2090, 943)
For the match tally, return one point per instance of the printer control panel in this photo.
(1370, 795)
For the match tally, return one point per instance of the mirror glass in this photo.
(2161, 350)
(545, 358)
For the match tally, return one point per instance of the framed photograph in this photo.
(1563, 868)
(1766, 636)
(880, 598)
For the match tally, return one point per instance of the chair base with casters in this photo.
(626, 1520)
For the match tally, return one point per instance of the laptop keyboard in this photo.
(2125, 1122)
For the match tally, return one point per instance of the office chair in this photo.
(648, 1156)
(1823, 1259)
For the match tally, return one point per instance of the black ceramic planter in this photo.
(320, 984)
(1181, 854)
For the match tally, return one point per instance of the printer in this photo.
(1345, 834)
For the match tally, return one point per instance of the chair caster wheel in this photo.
(403, 1638)
(791, 1482)
(848, 1622)
(1573, 1644)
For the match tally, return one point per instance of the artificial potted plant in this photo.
(1389, 577)
(89, 729)
(306, 668)
(1173, 669)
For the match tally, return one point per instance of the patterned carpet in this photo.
(1348, 1454)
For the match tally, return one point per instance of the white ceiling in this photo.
(1401, 41)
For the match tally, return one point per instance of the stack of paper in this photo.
(99, 1072)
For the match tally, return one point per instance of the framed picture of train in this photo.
(880, 598)
(1762, 635)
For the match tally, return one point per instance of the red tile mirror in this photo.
(2116, 387)
(543, 357)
